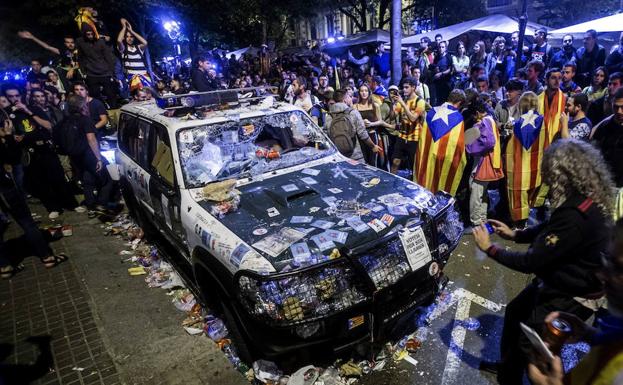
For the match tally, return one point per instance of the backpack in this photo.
(67, 137)
(342, 132)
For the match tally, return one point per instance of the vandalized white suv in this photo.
(297, 246)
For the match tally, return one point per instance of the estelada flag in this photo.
(440, 159)
(523, 163)
(551, 113)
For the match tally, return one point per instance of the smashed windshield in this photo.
(248, 147)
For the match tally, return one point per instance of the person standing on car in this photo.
(76, 137)
(565, 251)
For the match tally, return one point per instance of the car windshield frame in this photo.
(197, 146)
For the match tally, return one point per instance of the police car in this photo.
(298, 247)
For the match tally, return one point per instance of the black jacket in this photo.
(565, 252)
(202, 82)
(95, 57)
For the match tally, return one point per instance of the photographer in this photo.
(564, 254)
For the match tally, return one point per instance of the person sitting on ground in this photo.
(565, 251)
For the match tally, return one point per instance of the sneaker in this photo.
(54, 214)
(80, 209)
(468, 230)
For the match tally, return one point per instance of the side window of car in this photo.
(133, 134)
(160, 156)
(127, 130)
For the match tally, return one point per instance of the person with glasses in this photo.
(591, 56)
(567, 55)
(564, 253)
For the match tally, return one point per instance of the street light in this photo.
(173, 29)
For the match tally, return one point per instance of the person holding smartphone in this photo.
(565, 251)
(604, 362)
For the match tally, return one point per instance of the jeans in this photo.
(93, 180)
(109, 86)
(46, 178)
(478, 202)
(13, 203)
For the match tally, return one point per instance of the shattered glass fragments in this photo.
(249, 147)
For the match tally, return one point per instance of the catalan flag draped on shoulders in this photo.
(551, 110)
(523, 163)
(440, 159)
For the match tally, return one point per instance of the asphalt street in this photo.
(142, 333)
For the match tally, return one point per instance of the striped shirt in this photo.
(410, 131)
(133, 61)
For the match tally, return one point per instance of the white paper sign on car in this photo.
(416, 247)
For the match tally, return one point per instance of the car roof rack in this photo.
(220, 99)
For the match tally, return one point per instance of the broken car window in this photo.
(248, 147)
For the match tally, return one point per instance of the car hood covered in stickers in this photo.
(304, 217)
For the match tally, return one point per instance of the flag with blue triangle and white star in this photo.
(441, 159)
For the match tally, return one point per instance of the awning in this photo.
(492, 23)
(607, 27)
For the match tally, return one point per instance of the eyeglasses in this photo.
(567, 41)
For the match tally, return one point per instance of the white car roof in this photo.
(150, 111)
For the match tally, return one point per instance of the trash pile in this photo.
(158, 273)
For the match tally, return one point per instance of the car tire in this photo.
(240, 343)
(213, 297)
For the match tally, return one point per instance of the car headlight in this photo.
(386, 265)
(303, 295)
(449, 230)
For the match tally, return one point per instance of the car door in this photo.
(163, 188)
(133, 135)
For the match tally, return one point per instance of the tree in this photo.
(559, 13)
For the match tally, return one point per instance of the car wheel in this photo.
(214, 298)
(242, 348)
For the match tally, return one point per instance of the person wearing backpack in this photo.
(76, 137)
(344, 125)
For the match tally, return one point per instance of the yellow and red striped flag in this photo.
(440, 159)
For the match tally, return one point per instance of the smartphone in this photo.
(490, 228)
(536, 341)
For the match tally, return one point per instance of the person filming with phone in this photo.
(565, 252)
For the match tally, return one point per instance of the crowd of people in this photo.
(465, 119)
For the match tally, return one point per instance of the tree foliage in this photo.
(560, 13)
